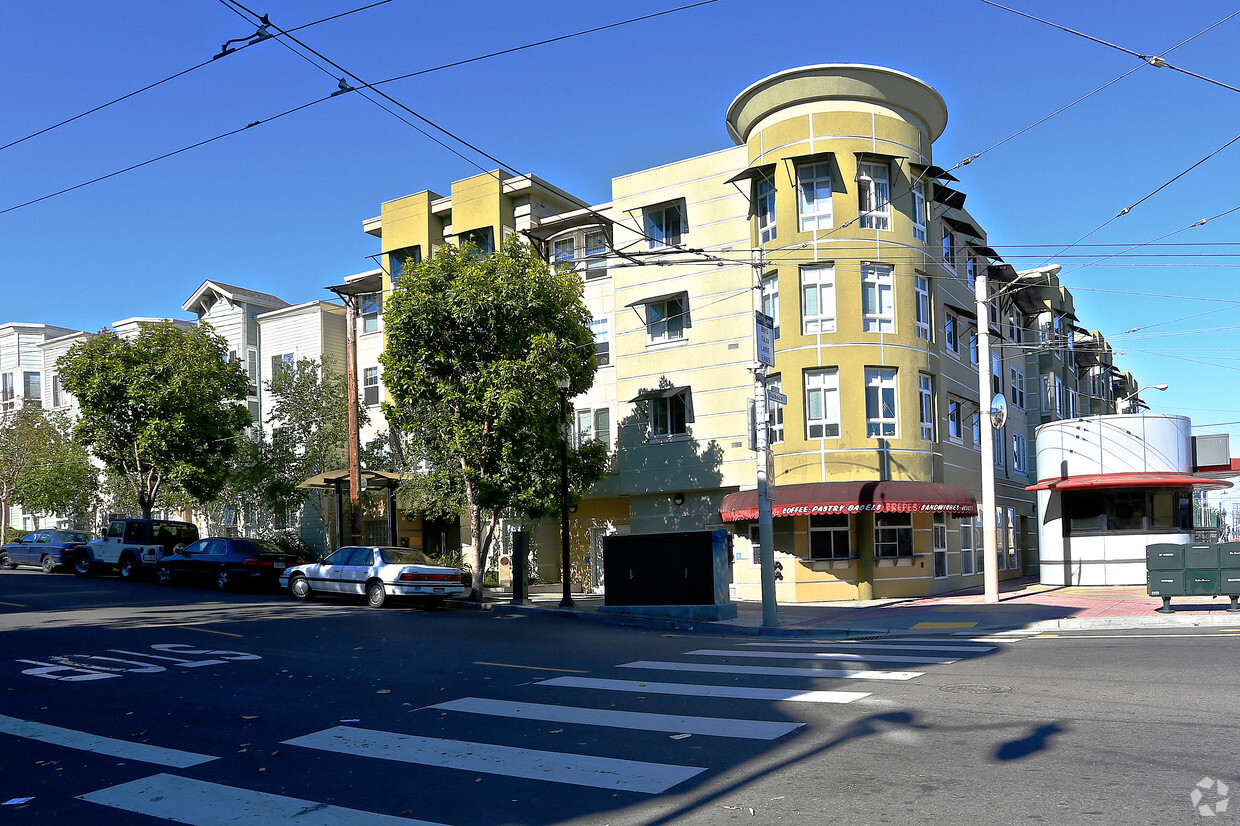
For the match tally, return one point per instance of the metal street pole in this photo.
(566, 601)
(766, 533)
(990, 570)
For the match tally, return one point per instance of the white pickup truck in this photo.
(131, 546)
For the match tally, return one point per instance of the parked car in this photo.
(376, 572)
(131, 546)
(49, 549)
(226, 562)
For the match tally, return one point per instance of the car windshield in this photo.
(259, 546)
(405, 556)
(74, 536)
(175, 533)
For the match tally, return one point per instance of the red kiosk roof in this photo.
(816, 498)
(1130, 480)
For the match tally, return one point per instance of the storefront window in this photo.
(893, 535)
(1127, 510)
(828, 537)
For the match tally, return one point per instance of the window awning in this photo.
(948, 197)
(659, 393)
(962, 311)
(817, 157)
(654, 299)
(877, 156)
(753, 173)
(1130, 480)
(815, 498)
(931, 172)
(963, 227)
(988, 252)
(552, 228)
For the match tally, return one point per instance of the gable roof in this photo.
(233, 294)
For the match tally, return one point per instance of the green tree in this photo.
(22, 434)
(62, 480)
(161, 410)
(475, 347)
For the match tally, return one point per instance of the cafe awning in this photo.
(815, 498)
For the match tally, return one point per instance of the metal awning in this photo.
(963, 227)
(369, 283)
(336, 478)
(962, 311)
(654, 299)
(1130, 480)
(659, 393)
(878, 156)
(932, 172)
(766, 170)
(948, 197)
(817, 498)
(551, 229)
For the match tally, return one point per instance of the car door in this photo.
(25, 551)
(327, 574)
(37, 548)
(351, 577)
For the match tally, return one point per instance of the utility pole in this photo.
(990, 569)
(350, 371)
(764, 335)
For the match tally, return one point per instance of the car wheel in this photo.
(128, 568)
(6, 562)
(48, 564)
(82, 566)
(163, 576)
(223, 581)
(300, 588)
(376, 594)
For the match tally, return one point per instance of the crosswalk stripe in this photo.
(872, 646)
(716, 726)
(728, 692)
(83, 741)
(827, 655)
(577, 769)
(775, 671)
(198, 803)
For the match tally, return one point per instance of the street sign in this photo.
(764, 332)
(773, 395)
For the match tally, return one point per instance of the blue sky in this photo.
(280, 206)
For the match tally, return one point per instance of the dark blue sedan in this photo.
(47, 548)
(226, 562)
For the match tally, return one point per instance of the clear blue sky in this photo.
(279, 207)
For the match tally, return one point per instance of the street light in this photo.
(563, 385)
(1137, 392)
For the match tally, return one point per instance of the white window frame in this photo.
(658, 226)
(665, 423)
(998, 442)
(592, 423)
(919, 210)
(822, 397)
(874, 194)
(967, 549)
(951, 333)
(925, 399)
(667, 319)
(835, 527)
(814, 212)
(1018, 388)
(775, 412)
(881, 403)
(370, 386)
(972, 342)
(996, 372)
(955, 419)
(765, 208)
(949, 249)
(818, 286)
(602, 341)
(896, 534)
(1020, 452)
(939, 546)
(878, 310)
(370, 307)
(770, 298)
(921, 291)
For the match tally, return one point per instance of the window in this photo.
(602, 342)
(770, 299)
(1020, 451)
(829, 536)
(940, 546)
(666, 319)
(996, 373)
(818, 299)
(970, 270)
(822, 403)
(7, 391)
(966, 546)
(814, 196)
(1071, 411)
(951, 332)
(877, 301)
(1013, 550)
(482, 239)
(251, 366)
(1059, 397)
(397, 260)
(669, 415)
(919, 210)
(996, 437)
(665, 225)
(370, 386)
(893, 535)
(1016, 329)
(774, 413)
(583, 252)
(1000, 534)
(1018, 389)
(949, 249)
(280, 363)
(1128, 510)
(972, 333)
(592, 424)
(32, 386)
(880, 402)
(921, 287)
(766, 210)
(955, 419)
(976, 427)
(564, 251)
(873, 196)
(925, 398)
(60, 398)
(1048, 394)
(595, 245)
(371, 305)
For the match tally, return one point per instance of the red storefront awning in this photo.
(1130, 480)
(853, 497)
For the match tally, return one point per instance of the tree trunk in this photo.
(478, 553)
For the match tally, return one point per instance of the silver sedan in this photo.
(377, 573)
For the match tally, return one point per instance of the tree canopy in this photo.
(161, 410)
(41, 467)
(475, 348)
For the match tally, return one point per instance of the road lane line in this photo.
(637, 720)
(531, 764)
(728, 692)
(827, 655)
(211, 631)
(198, 803)
(82, 741)
(775, 671)
(535, 668)
(878, 646)
(14, 604)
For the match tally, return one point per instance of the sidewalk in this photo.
(1024, 605)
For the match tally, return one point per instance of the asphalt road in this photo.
(127, 703)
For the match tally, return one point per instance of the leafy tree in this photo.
(475, 346)
(160, 410)
(22, 434)
(62, 480)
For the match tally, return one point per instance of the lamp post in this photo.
(1135, 393)
(563, 385)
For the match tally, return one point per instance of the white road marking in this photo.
(197, 803)
(1068, 635)
(642, 721)
(728, 692)
(82, 741)
(775, 671)
(577, 769)
(827, 655)
(878, 646)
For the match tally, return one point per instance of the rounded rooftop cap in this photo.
(837, 81)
